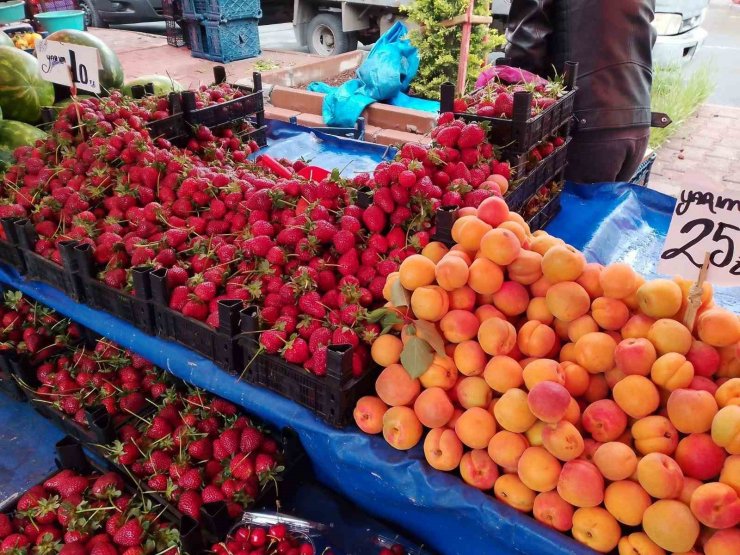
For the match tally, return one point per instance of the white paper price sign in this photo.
(704, 222)
(69, 64)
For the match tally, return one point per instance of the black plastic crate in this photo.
(546, 214)
(173, 32)
(332, 396)
(10, 252)
(8, 384)
(232, 111)
(136, 308)
(543, 173)
(642, 174)
(219, 345)
(522, 132)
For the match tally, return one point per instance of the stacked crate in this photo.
(172, 12)
(223, 30)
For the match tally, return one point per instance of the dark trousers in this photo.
(606, 155)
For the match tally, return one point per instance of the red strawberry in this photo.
(195, 309)
(104, 548)
(71, 486)
(374, 218)
(242, 466)
(504, 105)
(264, 463)
(190, 503)
(130, 534)
(158, 482)
(201, 449)
(251, 440)
(448, 136)
(229, 440)
(459, 106)
(342, 336)
(107, 485)
(310, 303)
(296, 351)
(205, 291)
(14, 543)
(383, 198)
(471, 136)
(212, 493)
(343, 241)
(6, 528)
(273, 340)
(190, 480)
(160, 428)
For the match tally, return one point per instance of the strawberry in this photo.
(205, 291)
(15, 543)
(504, 105)
(343, 336)
(229, 440)
(374, 218)
(190, 480)
(201, 449)
(310, 303)
(103, 548)
(471, 136)
(349, 262)
(71, 486)
(107, 485)
(159, 428)
(321, 336)
(383, 198)
(251, 440)
(6, 528)
(53, 482)
(195, 309)
(448, 136)
(343, 241)
(130, 534)
(190, 503)
(242, 466)
(273, 340)
(264, 463)
(296, 351)
(158, 482)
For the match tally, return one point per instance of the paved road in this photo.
(722, 51)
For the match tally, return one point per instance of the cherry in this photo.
(306, 549)
(258, 537)
(278, 531)
(242, 534)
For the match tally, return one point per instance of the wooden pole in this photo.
(462, 66)
(695, 294)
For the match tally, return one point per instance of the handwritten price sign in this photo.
(704, 222)
(69, 64)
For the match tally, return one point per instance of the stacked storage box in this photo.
(223, 30)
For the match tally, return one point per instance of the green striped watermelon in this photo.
(22, 90)
(162, 84)
(111, 71)
(14, 134)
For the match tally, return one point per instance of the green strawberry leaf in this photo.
(428, 332)
(417, 356)
(400, 296)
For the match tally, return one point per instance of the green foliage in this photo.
(678, 95)
(439, 47)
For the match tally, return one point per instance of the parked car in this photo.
(101, 13)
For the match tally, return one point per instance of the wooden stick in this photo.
(462, 18)
(695, 294)
(462, 66)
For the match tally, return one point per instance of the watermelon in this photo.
(22, 90)
(14, 134)
(111, 71)
(5, 40)
(162, 84)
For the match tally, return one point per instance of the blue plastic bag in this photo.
(405, 101)
(343, 104)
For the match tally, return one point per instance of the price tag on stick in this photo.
(704, 222)
(68, 64)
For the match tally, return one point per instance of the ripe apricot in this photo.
(670, 524)
(493, 210)
(505, 449)
(396, 387)
(718, 327)
(536, 339)
(669, 336)
(401, 428)
(511, 490)
(637, 396)
(626, 501)
(538, 469)
(595, 352)
(610, 314)
(475, 427)
(416, 271)
(451, 273)
(496, 336)
(434, 251)
(589, 279)
(511, 298)
(433, 407)
(618, 280)
(596, 528)
(459, 325)
(563, 263)
(470, 358)
(485, 277)
(368, 414)
(526, 269)
(442, 449)
(659, 298)
(462, 298)
(386, 350)
(500, 246)
(430, 303)
(503, 373)
(615, 460)
(512, 411)
(468, 232)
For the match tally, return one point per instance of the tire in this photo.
(326, 38)
(92, 16)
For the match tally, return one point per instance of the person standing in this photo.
(612, 42)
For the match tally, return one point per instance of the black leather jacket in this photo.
(612, 42)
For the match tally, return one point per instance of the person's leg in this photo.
(634, 158)
(595, 157)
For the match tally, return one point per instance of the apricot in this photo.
(442, 449)
(496, 336)
(475, 427)
(538, 469)
(563, 263)
(576, 378)
(596, 528)
(660, 475)
(478, 470)
(691, 411)
(401, 428)
(511, 298)
(563, 440)
(615, 460)
(728, 393)
(729, 366)
(536, 339)
(672, 371)
(386, 350)
(512, 411)
(660, 298)
(618, 280)
(526, 269)
(551, 510)
(589, 279)
(637, 326)
(511, 490)
(670, 524)
(544, 242)
(699, 457)
(467, 256)
(561, 328)
(654, 434)
(604, 420)
(542, 370)
(581, 484)
(573, 414)
(580, 327)
(451, 273)
(609, 314)
(503, 373)
(635, 356)
(416, 271)
(493, 210)
(595, 352)
(637, 396)
(462, 298)
(689, 487)
(568, 353)
(723, 542)
(468, 231)
(434, 251)
(500, 246)
(567, 300)
(396, 387)
(517, 227)
(638, 543)
(669, 336)
(537, 310)
(459, 325)
(730, 474)
(726, 429)
(473, 391)
(487, 311)
(718, 327)
(534, 433)
(597, 390)
(441, 373)
(505, 448)
(470, 358)
(485, 277)
(548, 401)
(433, 407)
(626, 501)
(368, 414)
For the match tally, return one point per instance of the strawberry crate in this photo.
(70, 455)
(229, 112)
(10, 252)
(219, 345)
(522, 131)
(331, 397)
(63, 277)
(134, 308)
(549, 210)
(195, 36)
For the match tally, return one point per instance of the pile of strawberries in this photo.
(197, 448)
(496, 98)
(76, 514)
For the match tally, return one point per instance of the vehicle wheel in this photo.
(326, 38)
(92, 16)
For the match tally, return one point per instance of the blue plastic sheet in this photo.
(286, 140)
(621, 222)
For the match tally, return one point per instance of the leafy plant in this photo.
(439, 47)
(679, 96)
